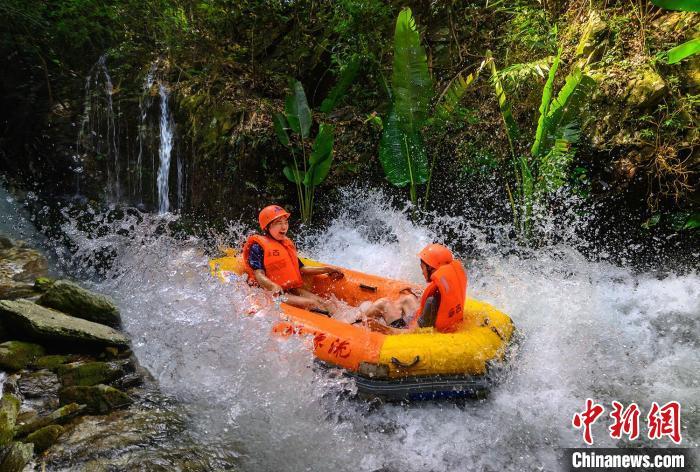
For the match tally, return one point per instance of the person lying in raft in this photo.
(442, 303)
(271, 260)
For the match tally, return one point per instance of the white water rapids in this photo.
(588, 330)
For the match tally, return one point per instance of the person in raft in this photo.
(271, 260)
(442, 303)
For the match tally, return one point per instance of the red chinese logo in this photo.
(626, 421)
(318, 340)
(340, 349)
(665, 421)
(586, 419)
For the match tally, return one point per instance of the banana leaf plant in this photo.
(558, 131)
(402, 150)
(688, 48)
(308, 169)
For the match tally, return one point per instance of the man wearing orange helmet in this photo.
(271, 260)
(442, 303)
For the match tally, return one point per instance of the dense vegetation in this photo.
(526, 97)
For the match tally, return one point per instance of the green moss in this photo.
(45, 437)
(99, 399)
(16, 355)
(89, 373)
(9, 407)
(50, 362)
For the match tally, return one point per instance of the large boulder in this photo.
(644, 89)
(36, 322)
(9, 407)
(98, 399)
(73, 299)
(16, 355)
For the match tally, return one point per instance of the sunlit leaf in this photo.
(297, 109)
(682, 51)
(681, 5)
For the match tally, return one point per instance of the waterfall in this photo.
(180, 181)
(165, 150)
(144, 104)
(98, 133)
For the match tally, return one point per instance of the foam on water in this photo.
(588, 329)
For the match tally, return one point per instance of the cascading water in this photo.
(180, 181)
(98, 134)
(164, 151)
(144, 104)
(588, 329)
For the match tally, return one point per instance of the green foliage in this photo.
(402, 154)
(520, 74)
(315, 168)
(553, 147)
(347, 76)
(682, 5)
(682, 51)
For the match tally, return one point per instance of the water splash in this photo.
(589, 329)
(165, 150)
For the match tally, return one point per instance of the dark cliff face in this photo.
(226, 71)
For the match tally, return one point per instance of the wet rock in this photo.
(98, 399)
(9, 408)
(14, 458)
(39, 384)
(45, 437)
(645, 89)
(74, 300)
(92, 373)
(21, 264)
(10, 290)
(16, 355)
(50, 362)
(58, 416)
(128, 381)
(37, 322)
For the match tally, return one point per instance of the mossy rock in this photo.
(58, 416)
(45, 437)
(98, 399)
(16, 355)
(71, 298)
(90, 373)
(37, 322)
(9, 408)
(16, 456)
(50, 362)
(42, 284)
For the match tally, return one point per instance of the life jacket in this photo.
(450, 281)
(281, 261)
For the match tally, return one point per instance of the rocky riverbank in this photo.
(72, 391)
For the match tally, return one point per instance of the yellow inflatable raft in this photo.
(424, 364)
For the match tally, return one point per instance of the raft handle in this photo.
(371, 288)
(401, 365)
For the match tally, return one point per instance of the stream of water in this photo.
(588, 330)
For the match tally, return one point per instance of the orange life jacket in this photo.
(450, 281)
(281, 261)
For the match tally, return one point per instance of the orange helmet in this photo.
(270, 213)
(436, 255)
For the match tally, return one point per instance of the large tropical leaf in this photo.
(293, 174)
(512, 131)
(321, 156)
(544, 129)
(297, 109)
(403, 155)
(280, 124)
(347, 76)
(566, 107)
(411, 84)
(682, 5)
(682, 51)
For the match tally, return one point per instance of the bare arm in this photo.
(332, 271)
(266, 283)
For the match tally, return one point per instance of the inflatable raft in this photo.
(424, 364)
